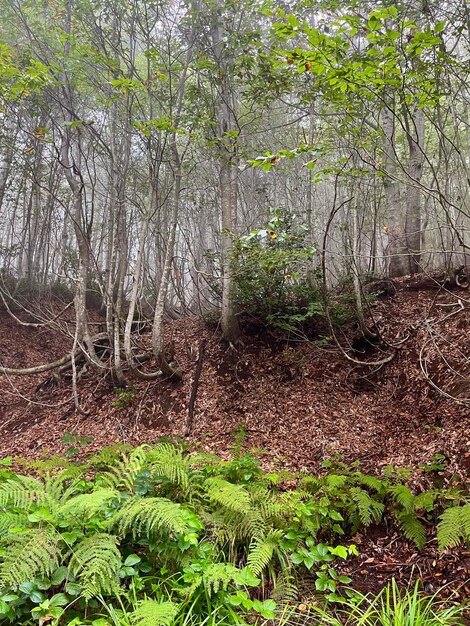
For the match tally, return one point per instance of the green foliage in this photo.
(393, 607)
(152, 613)
(160, 535)
(454, 527)
(95, 564)
(27, 555)
(273, 269)
(125, 397)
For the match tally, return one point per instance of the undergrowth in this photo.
(158, 535)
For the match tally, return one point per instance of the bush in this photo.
(274, 275)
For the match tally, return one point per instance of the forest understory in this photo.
(294, 404)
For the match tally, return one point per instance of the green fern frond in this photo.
(288, 501)
(262, 550)
(371, 481)
(218, 576)
(22, 492)
(166, 461)
(149, 515)
(153, 613)
(64, 485)
(229, 526)
(95, 563)
(29, 555)
(10, 520)
(87, 504)
(368, 510)
(110, 455)
(454, 526)
(310, 484)
(425, 501)
(124, 473)
(335, 481)
(285, 590)
(412, 528)
(233, 497)
(403, 496)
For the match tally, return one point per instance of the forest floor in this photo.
(299, 403)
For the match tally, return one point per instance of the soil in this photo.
(298, 401)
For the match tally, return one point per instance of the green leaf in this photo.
(340, 551)
(58, 576)
(131, 560)
(59, 599)
(246, 577)
(266, 609)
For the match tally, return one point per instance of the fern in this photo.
(335, 481)
(218, 576)
(371, 481)
(65, 484)
(425, 501)
(232, 497)
(88, 504)
(124, 473)
(29, 555)
(262, 551)
(21, 492)
(454, 526)
(230, 526)
(153, 613)
(150, 514)
(9, 520)
(95, 563)
(368, 510)
(403, 496)
(109, 455)
(167, 462)
(412, 528)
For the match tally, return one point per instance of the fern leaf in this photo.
(425, 501)
(368, 510)
(10, 520)
(403, 496)
(335, 480)
(149, 515)
(29, 555)
(87, 504)
(167, 462)
(262, 550)
(21, 492)
(218, 576)
(95, 563)
(233, 497)
(153, 613)
(412, 528)
(124, 473)
(65, 484)
(454, 526)
(370, 481)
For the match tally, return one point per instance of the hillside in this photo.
(300, 402)
(297, 403)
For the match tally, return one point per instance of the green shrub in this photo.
(273, 269)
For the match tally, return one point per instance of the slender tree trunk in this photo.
(415, 137)
(397, 249)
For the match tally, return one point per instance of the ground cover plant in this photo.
(157, 535)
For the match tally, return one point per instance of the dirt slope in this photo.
(297, 401)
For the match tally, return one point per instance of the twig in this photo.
(195, 385)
